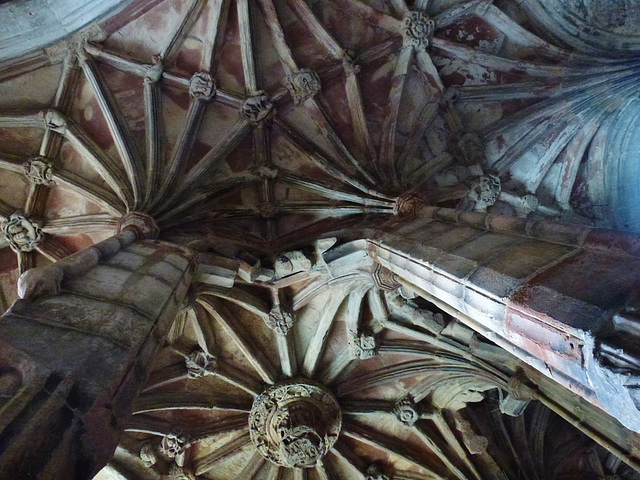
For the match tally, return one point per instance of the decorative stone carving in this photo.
(375, 473)
(174, 446)
(257, 107)
(268, 210)
(144, 224)
(202, 86)
(405, 410)
(408, 204)
(54, 120)
(22, 234)
(303, 85)
(178, 473)
(291, 262)
(363, 345)
(155, 70)
(418, 30)
(295, 423)
(200, 363)
(279, 320)
(39, 171)
(471, 148)
(266, 172)
(484, 192)
(384, 279)
(522, 206)
(519, 395)
(148, 455)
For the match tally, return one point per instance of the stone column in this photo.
(562, 298)
(76, 350)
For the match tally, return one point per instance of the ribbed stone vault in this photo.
(249, 130)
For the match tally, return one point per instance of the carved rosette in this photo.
(418, 30)
(279, 320)
(363, 345)
(202, 86)
(257, 107)
(39, 171)
(303, 85)
(200, 363)
(22, 234)
(405, 410)
(295, 423)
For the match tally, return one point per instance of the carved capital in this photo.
(295, 423)
(279, 320)
(303, 84)
(200, 363)
(22, 234)
(143, 224)
(418, 30)
(257, 107)
(406, 411)
(202, 86)
(53, 120)
(384, 279)
(39, 171)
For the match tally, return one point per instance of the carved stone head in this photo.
(21, 233)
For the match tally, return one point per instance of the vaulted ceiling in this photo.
(257, 127)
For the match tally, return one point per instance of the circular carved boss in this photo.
(295, 423)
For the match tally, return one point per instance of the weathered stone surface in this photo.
(295, 423)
